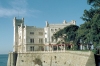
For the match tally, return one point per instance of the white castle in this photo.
(37, 47)
(30, 38)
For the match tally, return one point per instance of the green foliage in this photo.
(94, 3)
(88, 15)
(90, 30)
(70, 32)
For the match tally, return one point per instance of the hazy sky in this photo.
(36, 12)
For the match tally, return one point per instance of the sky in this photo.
(35, 13)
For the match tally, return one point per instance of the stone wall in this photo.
(64, 58)
(12, 58)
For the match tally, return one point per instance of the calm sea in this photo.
(3, 59)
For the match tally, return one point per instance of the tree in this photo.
(90, 30)
(70, 32)
(94, 3)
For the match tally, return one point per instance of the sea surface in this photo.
(3, 59)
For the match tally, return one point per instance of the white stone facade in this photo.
(26, 37)
(51, 29)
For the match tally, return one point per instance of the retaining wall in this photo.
(66, 58)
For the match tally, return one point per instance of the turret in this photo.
(47, 24)
(74, 22)
(16, 23)
(64, 22)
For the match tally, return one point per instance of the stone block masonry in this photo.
(12, 58)
(63, 58)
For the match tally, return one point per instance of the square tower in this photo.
(16, 23)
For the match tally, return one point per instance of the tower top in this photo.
(17, 22)
(14, 18)
(74, 22)
(47, 24)
(64, 22)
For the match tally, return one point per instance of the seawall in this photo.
(12, 58)
(64, 58)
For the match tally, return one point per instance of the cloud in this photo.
(17, 8)
(11, 12)
(16, 4)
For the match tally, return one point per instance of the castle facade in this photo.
(30, 38)
(36, 47)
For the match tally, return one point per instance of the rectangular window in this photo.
(31, 32)
(55, 29)
(52, 39)
(40, 40)
(31, 48)
(18, 25)
(45, 39)
(32, 40)
(52, 30)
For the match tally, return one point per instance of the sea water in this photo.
(3, 59)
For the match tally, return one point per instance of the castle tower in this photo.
(47, 32)
(16, 23)
(74, 22)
